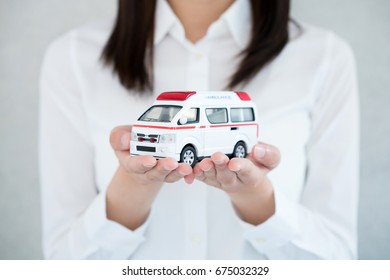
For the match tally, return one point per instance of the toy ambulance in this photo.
(190, 126)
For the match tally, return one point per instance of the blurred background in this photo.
(28, 26)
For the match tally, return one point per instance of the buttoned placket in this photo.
(198, 67)
(198, 78)
(196, 210)
(196, 223)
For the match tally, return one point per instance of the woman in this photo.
(303, 81)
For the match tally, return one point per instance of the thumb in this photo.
(266, 155)
(120, 138)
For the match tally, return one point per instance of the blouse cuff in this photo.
(110, 235)
(277, 231)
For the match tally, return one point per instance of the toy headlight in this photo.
(167, 138)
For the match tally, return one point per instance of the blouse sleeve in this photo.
(323, 224)
(75, 225)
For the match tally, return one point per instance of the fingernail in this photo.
(218, 162)
(207, 168)
(125, 140)
(259, 152)
(148, 164)
(170, 167)
(234, 167)
(182, 173)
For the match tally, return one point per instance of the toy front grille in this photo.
(151, 138)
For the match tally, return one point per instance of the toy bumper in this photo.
(154, 149)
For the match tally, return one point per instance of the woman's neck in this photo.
(197, 15)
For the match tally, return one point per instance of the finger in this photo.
(247, 172)
(205, 172)
(204, 167)
(180, 172)
(189, 179)
(266, 155)
(161, 170)
(120, 138)
(224, 175)
(219, 159)
(136, 164)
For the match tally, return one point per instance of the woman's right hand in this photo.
(138, 180)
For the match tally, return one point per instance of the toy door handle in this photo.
(233, 128)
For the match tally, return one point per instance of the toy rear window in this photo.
(160, 113)
(242, 114)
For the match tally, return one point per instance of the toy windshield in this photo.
(160, 113)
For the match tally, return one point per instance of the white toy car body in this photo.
(189, 126)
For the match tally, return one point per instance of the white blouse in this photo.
(307, 106)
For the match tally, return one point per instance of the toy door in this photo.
(191, 134)
(217, 132)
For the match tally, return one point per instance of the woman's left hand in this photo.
(244, 180)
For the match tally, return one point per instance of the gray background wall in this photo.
(26, 28)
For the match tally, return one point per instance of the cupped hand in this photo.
(137, 181)
(244, 180)
(238, 174)
(146, 169)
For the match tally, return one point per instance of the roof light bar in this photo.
(243, 95)
(175, 95)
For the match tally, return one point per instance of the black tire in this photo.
(188, 155)
(239, 150)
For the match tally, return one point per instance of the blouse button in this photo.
(199, 56)
(261, 240)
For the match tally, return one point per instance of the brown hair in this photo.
(129, 49)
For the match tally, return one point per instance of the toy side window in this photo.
(192, 116)
(242, 114)
(217, 115)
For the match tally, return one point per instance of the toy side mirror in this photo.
(183, 120)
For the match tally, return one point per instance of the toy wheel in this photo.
(239, 150)
(188, 155)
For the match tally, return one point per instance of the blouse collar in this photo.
(237, 18)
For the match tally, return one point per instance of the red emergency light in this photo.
(175, 95)
(243, 95)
